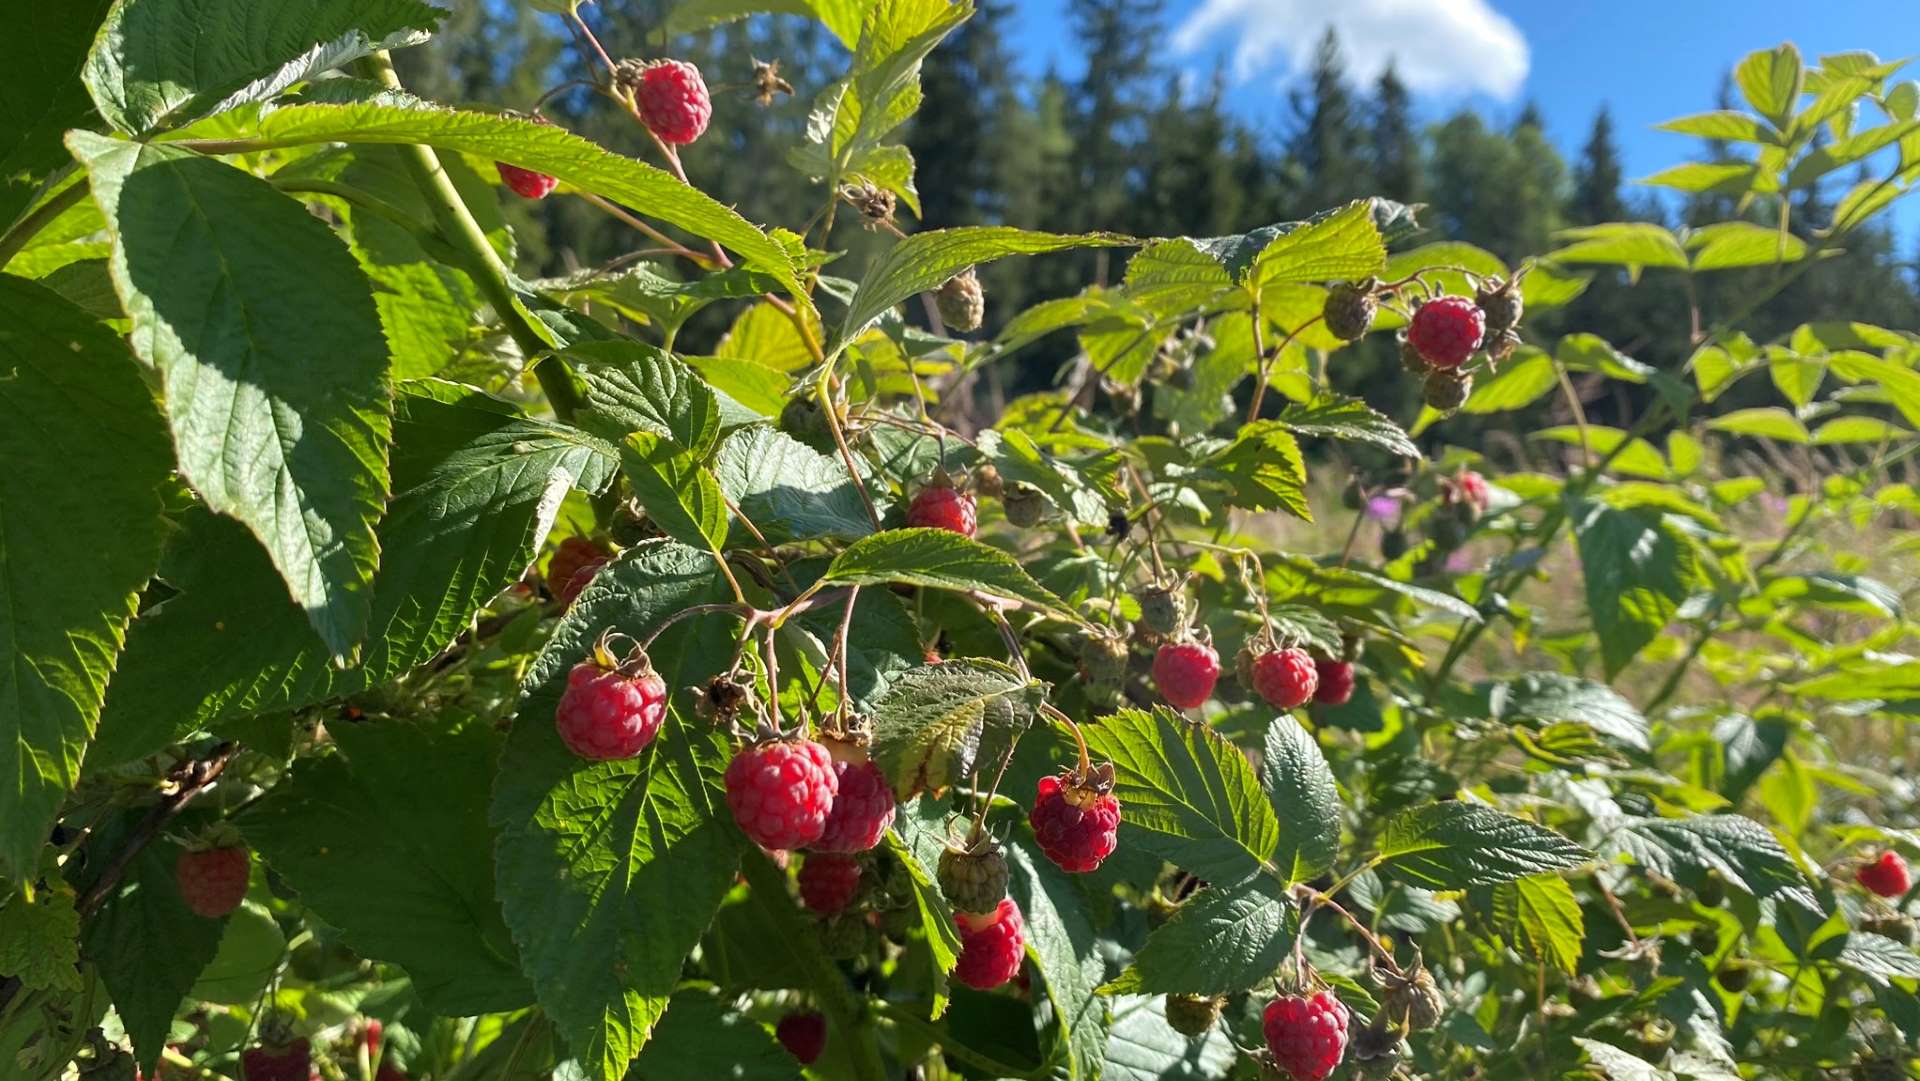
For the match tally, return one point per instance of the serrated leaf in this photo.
(843, 17)
(1730, 245)
(1454, 845)
(609, 872)
(633, 387)
(1061, 936)
(1633, 245)
(1771, 80)
(926, 260)
(40, 938)
(1879, 958)
(788, 490)
(1540, 916)
(1305, 799)
(1021, 461)
(1739, 849)
(86, 454)
(939, 559)
(1332, 416)
(279, 419)
(1224, 940)
(400, 858)
(700, 1036)
(1263, 470)
(159, 63)
(1189, 796)
(1141, 1046)
(939, 723)
(1174, 277)
(1767, 423)
(43, 99)
(680, 495)
(1618, 1065)
(1342, 246)
(1637, 572)
(478, 491)
(918, 837)
(1553, 697)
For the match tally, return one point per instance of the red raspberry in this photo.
(828, 882)
(781, 792)
(1185, 672)
(1446, 331)
(1886, 876)
(991, 947)
(1472, 488)
(1308, 1036)
(1335, 685)
(862, 810)
(290, 1062)
(940, 506)
(1075, 822)
(673, 101)
(213, 881)
(526, 183)
(611, 709)
(1286, 678)
(803, 1034)
(389, 1072)
(573, 565)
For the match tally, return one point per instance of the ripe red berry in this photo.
(1185, 672)
(1335, 685)
(611, 709)
(1472, 489)
(673, 101)
(803, 1034)
(991, 947)
(940, 506)
(1307, 1036)
(862, 809)
(781, 792)
(289, 1062)
(828, 882)
(1286, 678)
(525, 182)
(1075, 822)
(213, 881)
(1446, 331)
(573, 565)
(1887, 876)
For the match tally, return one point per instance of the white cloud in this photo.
(1437, 46)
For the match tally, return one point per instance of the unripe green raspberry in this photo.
(1500, 344)
(1447, 391)
(962, 303)
(846, 936)
(973, 881)
(1502, 304)
(1193, 1015)
(986, 481)
(1163, 607)
(1412, 997)
(1024, 505)
(1349, 309)
(1411, 360)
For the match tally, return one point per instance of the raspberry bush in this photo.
(424, 669)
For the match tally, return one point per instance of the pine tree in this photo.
(1328, 144)
(1596, 177)
(1117, 37)
(968, 89)
(1394, 146)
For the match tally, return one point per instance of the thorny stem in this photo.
(1579, 411)
(583, 32)
(823, 391)
(1152, 517)
(673, 247)
(773, 679)
(1266, 362)
(1311, 899)
(840, 643)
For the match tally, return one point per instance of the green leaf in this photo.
(86, 454)
(1333, 416)
(400, 858)
(160, 63)
(548, 149)
(1173, 277)
(478, 490)
(1731, 245)
(700, 1036)
(1720, 177)
(149, 946)
(1262, 470)
(1141, 1046)
(1060, 935)
(1517, 384)
(1617, 1065)
(918, 837)
(926, 260)
(1633, 245)
(1189, 796)
(1222, 941)
(1858, 430)
(938, 723)
(1637, 573)
(1739, 849)
(1305, 798)
(279, 419)
(1771, 80)
(1879, 958)
(633, 387)
(1064, 483)
(39, 938)
(41, 98)
(1796, 376)
(1553, 698)
(788, 490)
(609, 872)
(1344, 246)
(1769, 423)
(1540, 916)
(1901, 383)
(1454, 845)
(680, 495)
(1725, 124)
(843, 17)
(939, 559)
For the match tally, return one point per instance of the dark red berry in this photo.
(1307, 1036)
(287, 1062)
(1185, 672)
(863, 807)
(1887, 876)
(673, 101)
(525, 182)
(1335, 684)
(940, 506)
(611, 709)
(991, 947)
(213, 881)
(1075, 821)
(573, 565)
(1446, 331)
(803, 1034)
(781, 792)
(1286, 678)
(828, 882)
(1472, 490)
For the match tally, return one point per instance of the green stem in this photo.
(26, 228)
(457, 223)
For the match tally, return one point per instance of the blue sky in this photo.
(1648, 61)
